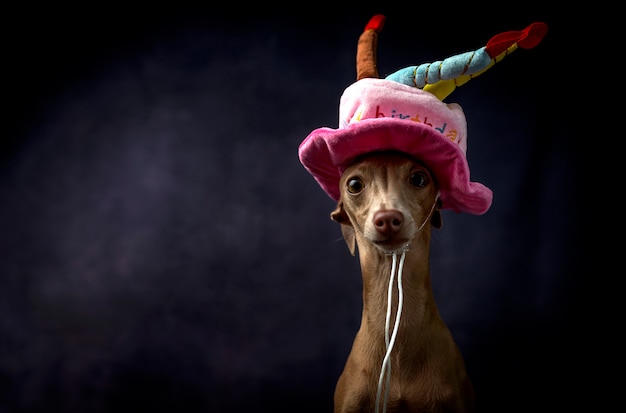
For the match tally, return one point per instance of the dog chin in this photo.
(391, 247)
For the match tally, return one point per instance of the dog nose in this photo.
(388, 222)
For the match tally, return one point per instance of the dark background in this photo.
(162, 248)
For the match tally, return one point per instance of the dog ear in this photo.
(349, 236)
(437, 219)
(339, 215)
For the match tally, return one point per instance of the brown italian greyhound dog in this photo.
(388, 204)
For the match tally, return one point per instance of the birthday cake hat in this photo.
(405, 112)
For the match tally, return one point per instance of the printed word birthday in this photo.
(451, 134)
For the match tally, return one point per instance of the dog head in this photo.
(386, 199)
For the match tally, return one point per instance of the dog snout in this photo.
(388, 222)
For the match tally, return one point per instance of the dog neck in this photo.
(419, 308)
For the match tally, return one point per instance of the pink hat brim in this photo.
(326, 152)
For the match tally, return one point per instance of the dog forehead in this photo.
(383, 163)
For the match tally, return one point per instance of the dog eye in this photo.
(418, 179)
(355, 185)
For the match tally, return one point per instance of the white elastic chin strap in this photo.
(390, 341)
